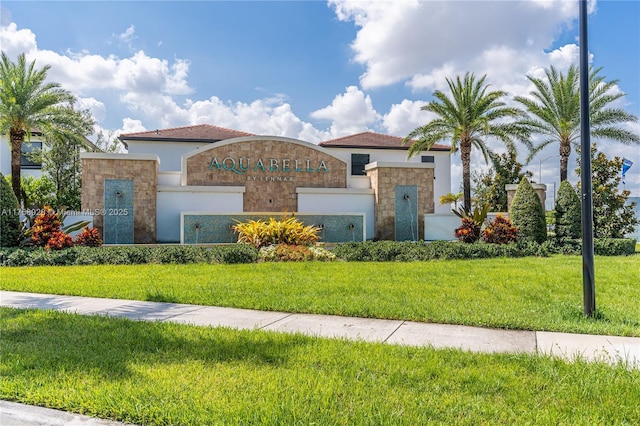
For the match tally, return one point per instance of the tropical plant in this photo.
(613, 215)
(466, 118)
(554, 112)
(89, 237)
(451, 198)
(46, 224)
(469, 231)
(500, 231)
(9, 215)
(289, 231)
(39, 228)
(27, 102)
(527, 213)
(478, 216)
(568, 214)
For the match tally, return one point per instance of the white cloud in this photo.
(15, 41)
(97, 108)
(128, 35)
(402, 118)
(401, 39)
(350, 112)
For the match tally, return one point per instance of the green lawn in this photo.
(168, 374)
(527, 293)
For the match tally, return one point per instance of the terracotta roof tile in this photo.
(374, 140)
(199, 132)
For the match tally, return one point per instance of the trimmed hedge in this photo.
(129, 255)
(379, 251)
(383, 251)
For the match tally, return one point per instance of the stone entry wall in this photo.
(384, 179)
(270, 185)
(142, 169)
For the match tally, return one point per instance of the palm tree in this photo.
(28, 103)
(466, 119)
(554, 112)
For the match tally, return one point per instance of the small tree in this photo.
(568, 213)
(527, 213)
(489, 187)
(613, 217)
(9, 215)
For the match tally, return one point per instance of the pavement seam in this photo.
(394, 331)
(278, 320)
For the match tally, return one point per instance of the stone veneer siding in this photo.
(269, 191)
(144, 173)
(384, 181)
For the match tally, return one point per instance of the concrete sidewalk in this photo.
(609, 349)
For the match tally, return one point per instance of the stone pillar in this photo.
(384, 178)
(540, 188)
(142, 169)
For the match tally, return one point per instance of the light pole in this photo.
(540, 166)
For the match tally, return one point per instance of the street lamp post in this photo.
(540, 166)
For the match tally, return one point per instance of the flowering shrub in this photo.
(58, 241)
(469, 231)
(89, 237)
(500, 231)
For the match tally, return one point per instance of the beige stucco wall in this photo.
(143, 170)
(384, 180)
(266, 190)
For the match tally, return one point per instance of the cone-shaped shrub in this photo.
(9, 215)
(527, 213)
(568, 213)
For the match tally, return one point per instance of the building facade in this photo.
(191, 184)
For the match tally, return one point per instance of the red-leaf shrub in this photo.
(500, 231)
(44, 226)
(58, 241)
(89, 237)
(469, 231)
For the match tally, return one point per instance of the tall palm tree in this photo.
(28, 103)
(466, 119)
(554, 112)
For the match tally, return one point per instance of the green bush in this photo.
(614, 246)
(527, 213)
(568, 223)
(9, 215)
(236, 253)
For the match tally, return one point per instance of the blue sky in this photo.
(310, 69)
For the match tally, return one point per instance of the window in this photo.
(26, 161)
(358, 161)
(428, 159)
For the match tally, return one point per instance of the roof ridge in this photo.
(191, 126)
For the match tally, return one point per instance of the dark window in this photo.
(26, 161)
(428, 159)
(358, 161)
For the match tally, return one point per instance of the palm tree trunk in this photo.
(565, 152)
(465, 156)
(16, 137)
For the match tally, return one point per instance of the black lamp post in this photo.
(588, 279)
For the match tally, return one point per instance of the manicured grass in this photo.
(165, 374)
(526, 293)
